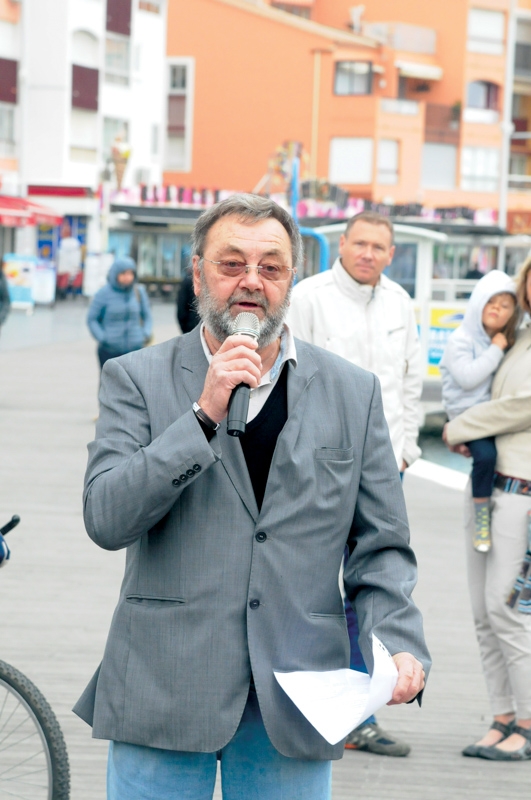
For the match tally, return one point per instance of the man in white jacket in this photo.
(355, 311)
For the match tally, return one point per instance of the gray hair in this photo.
(249, 208)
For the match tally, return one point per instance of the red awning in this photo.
(17, 212)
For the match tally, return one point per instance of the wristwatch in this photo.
(204, 418)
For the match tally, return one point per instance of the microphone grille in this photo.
(247, 323)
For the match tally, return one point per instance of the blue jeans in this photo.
(484, 454)
(251, 768)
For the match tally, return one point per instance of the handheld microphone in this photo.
(248, 324)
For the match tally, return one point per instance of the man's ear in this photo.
(195, 275)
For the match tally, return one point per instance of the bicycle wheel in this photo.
(33, 757)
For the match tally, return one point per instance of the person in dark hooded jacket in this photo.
(119, 316)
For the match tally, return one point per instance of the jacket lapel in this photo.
(194, 366)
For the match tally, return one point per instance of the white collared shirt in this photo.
(261, 393)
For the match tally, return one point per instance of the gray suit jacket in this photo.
(185, 637)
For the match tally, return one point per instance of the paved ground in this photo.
(58, 592)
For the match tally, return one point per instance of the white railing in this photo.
(391, 106)
(485, 116)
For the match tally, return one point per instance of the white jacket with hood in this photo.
(374, 328)
(470, 359)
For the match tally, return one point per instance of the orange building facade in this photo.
(396, 103)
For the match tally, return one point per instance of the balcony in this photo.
(442, 124)
(389, 105)
(408, 38)
(483, 116)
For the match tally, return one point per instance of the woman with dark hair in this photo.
(500, 580)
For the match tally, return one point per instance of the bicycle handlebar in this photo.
(13, 522)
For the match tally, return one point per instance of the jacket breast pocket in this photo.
(334, 453)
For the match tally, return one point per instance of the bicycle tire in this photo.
(33, 756)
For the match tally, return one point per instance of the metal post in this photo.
(315, 112)
(507, 128)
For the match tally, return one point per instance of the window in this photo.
(119, 16)
(299, 11)
(83, 135)
(150, 5)
(117, 60)
(439, 162)
(177, 77)
(8, 80)
(351, 160)
(111, 129)
(353, 77)
(387, 162)
(7, 131)
(485, 31)
(481, 94)
(85, 82)
(480, 168)
(403, 268)
(179, 115)
(154, 140)
(85, 49)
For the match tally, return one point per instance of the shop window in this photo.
(485, 31)
(480, 169)
(351, 160)
(179, 115)
(387, 162)
(85, 84)
(113, 129)
(482, 94)
(8, 80)
(403, 268)
(353, 77)
(7, 131)
(439, 164)
(117, 60)
(119, 16)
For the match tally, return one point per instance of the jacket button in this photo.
(183, 477)
(254, 604)
(196, 468)
(176, 482)
(261, 536)
(190, 473)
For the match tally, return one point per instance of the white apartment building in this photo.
(74, 75)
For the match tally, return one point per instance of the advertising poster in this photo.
(442, 322)
(19, 271)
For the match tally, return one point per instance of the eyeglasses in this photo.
(233, 269)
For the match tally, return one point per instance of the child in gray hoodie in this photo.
(472, 355)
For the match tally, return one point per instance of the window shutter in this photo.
(8, 80)
(176, 113)
(119, 16)
(85, 82)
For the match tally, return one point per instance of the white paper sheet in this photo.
(335, 702)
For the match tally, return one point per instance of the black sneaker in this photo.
(373, 739)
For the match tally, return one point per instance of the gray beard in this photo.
(220, 323)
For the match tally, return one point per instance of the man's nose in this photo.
(251, 279)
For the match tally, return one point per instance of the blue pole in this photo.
(324, 247)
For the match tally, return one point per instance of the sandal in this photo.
(473, 750)
(522, 754)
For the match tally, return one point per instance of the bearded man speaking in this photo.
(234, 543)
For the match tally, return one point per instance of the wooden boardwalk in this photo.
(58, 592)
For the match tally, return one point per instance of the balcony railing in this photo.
(391, 106)
(485, 116)
(411, 38)
(520, 183)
